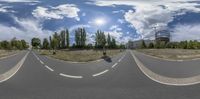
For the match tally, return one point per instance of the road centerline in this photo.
(114, 65)
(49, 68)
(98, 74)
(70, 76)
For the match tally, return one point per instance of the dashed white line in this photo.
(98, 74)
(49, 68)
(114, 65)
(70, 76)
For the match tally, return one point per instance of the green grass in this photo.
(79, 55)
(174, 54)
(4, 53)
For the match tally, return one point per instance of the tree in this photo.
(183, 45)
(67, 38)
(143, 45)
(35, 42)
(14, 43)
(109, 41)
(55, 44)
(58, 40)
(122, 46)
(80, 37)
(6, 45)
(62, 38)
(151, 45)
(19, 45)
(45, 44)
(50, 41)
(100, 39)
(24, 44)
(113, 43)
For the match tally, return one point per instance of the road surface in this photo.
(45, 78)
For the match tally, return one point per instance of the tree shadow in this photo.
(107, 59)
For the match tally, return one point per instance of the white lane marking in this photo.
(41, 62)
(14, 70)
(100, 73)
(121, 58)
(70, 76)
(49, 68)
(114, 65)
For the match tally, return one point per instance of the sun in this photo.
(99, 21)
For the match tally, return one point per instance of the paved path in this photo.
(117, 80)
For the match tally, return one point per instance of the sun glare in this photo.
(100, 21)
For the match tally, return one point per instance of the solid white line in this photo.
(49, 68)
(17, 67)
(70, 76)
(100, 73)
(114, 65)
(120, 60)
(41, 62)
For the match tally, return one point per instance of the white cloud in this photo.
(146, 14)
(186, 32)
(29, 28)
(11, 1)
(58, 12)
(72, 28)
(116, 32)
(118, 11)
(4, 8)
(121, 21)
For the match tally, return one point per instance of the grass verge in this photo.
(173, 54)
(4, 53)
(79, 55)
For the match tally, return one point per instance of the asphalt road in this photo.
(180, 69)
(44, 78)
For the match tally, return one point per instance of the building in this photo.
(162, 36)
(138, 43)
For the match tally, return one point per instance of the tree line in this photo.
(14, 44)
(191, 44)
(62, 41)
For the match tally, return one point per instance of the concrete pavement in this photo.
(124, 81)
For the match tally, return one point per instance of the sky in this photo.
(123, 19)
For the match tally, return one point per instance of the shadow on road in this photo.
(107, 59)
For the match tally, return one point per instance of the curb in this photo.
(7, 75)
(163, 79)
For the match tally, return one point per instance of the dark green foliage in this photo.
(35, 42)
(6, 45)
(45, 44)
(100, 39)
(67, 38)
(109, 42)
(80, 38)
(62, 40)
(14, 44)
(151, 45)
(143, 45)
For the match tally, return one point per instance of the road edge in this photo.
(7, 75)
(163, 79)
